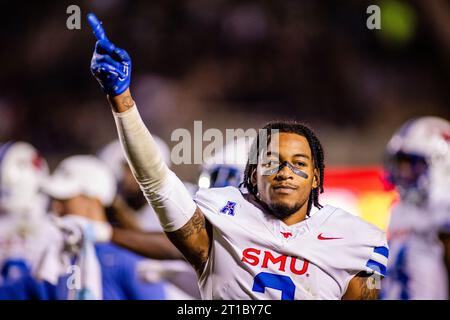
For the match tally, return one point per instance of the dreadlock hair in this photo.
(289, 126)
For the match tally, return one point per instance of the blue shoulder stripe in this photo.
(376, 266)
(382, 250)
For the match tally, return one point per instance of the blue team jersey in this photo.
(119, 279)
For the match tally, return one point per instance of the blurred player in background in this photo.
(226, 167)
(24, 226)
(440, 205)
(82, 187)
(418, 165)
(36, 248)
(142, 231)
(262, 244)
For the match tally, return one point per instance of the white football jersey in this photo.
(257, 256)
(25, 240)
(415, 270)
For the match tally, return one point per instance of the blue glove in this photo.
(111, 66)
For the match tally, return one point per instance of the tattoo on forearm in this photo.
(194, 226)
(197, 255)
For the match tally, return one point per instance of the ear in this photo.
(316, 179)
(253, 179)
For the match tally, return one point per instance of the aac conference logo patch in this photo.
(229, 208)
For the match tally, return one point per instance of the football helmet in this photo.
(418, 159)
(22, 171)
(226, 167)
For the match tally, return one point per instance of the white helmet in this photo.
(226, 167)
(22, 171)
(423, 143)
(81, 175)
(113, 155)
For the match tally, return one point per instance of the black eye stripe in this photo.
(298, 172)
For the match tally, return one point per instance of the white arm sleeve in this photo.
(161, 187)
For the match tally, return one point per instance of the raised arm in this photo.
(180, 218)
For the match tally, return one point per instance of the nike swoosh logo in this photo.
(320, 237)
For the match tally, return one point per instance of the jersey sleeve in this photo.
(374, 248)
(377, 263)
(365, 248)
(216, 201)
(204, 200)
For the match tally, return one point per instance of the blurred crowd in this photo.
(231, 64)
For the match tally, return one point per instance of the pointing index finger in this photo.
(96, 26)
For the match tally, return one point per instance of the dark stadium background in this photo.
(232, 64)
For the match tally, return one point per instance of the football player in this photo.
(259, 244)
(226, 167)
(24, 227)
(417, 165)
(81, 187)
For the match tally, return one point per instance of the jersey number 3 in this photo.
(265, 280)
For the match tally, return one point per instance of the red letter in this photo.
(299, 272)
(268, 256)
(251, 259)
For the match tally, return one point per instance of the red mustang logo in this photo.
(286, 234)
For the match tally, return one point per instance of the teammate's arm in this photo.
(180, 217)
(359, 288)
(153, 245)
